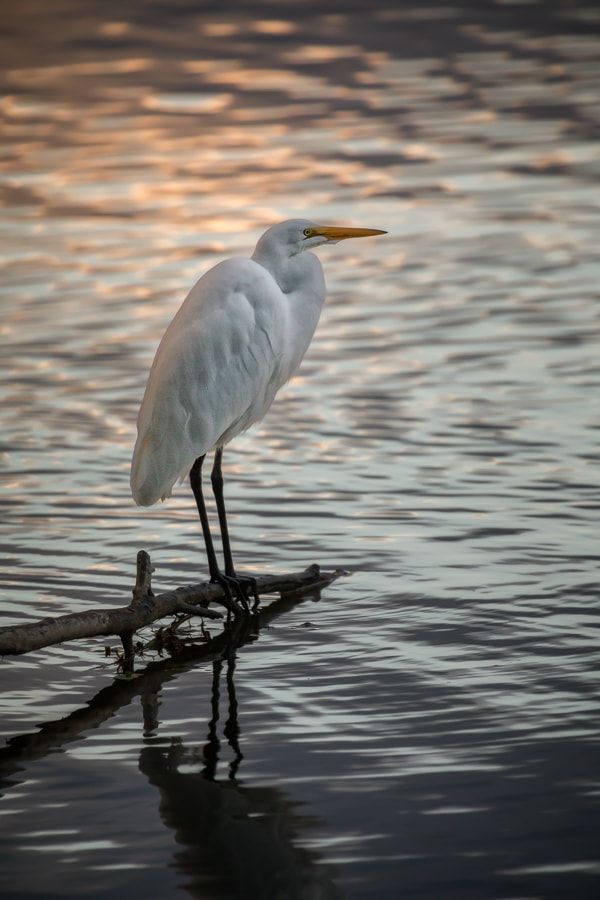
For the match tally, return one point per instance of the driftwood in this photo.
(147, 684)
(146, 608)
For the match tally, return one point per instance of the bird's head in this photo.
(315, 235)
(295, 235)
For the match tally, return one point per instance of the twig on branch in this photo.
(144, 609)
(143, 578)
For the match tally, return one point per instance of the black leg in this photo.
(216, 478)
(196, 483)
(244, 583)
(216, 576)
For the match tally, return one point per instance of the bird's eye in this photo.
(307, 232)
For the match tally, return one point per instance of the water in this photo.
(427, 726)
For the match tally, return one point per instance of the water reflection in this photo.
(237, 841)
(147, 684)
(441, 440)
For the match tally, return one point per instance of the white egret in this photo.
(239, 336)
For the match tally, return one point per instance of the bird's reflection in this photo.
(239, 842)
(236, 841)
(231, 729)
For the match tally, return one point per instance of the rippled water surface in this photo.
(427, 727)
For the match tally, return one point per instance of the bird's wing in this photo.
(216, 371)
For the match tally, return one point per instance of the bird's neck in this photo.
(293, 274)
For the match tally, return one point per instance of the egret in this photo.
(240, 334)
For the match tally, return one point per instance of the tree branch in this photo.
(148, 682)
(144, 609)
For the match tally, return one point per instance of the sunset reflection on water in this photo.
(440, 441)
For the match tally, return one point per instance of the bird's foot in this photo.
(238, 589)
(249, 586)
(229, 602)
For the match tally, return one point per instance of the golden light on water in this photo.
(440, 442)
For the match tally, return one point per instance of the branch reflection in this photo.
(235, 840)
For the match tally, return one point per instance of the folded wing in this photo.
(216, 371)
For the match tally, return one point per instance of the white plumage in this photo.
(239, 336)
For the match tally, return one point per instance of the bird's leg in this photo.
(243, 583)
(216, 576)
(216, 478)
(196, 484)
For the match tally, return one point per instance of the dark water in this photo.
(428, 726)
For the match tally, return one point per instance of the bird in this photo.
(240, 334)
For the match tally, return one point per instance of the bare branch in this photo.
(144, 609)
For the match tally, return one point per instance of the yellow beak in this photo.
(340, 232)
